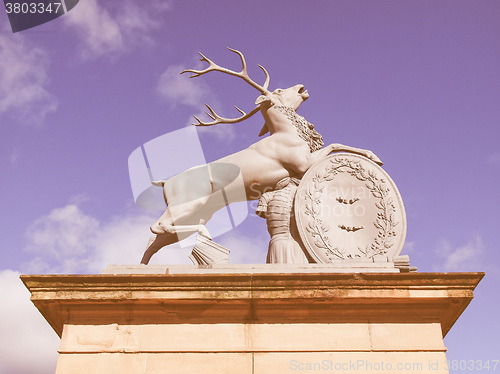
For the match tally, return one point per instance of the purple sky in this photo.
(417, 82)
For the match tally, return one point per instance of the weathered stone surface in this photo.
(406, 336)
(252, 298)
(351, 266)
(301, 337)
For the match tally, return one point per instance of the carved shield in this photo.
(348, 208)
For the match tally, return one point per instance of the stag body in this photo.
(284, 153)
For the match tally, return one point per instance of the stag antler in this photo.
(218, 119)
(243, 74)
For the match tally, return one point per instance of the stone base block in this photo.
(235, 337)
(251, 348)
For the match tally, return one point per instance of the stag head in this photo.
(291, 97)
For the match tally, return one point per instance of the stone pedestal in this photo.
(252, 322)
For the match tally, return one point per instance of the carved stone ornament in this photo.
(348, 208)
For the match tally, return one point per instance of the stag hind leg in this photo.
(197, 194)
(167, 232)
(156, 243)
(184, 218)
(193, 197)
(185, 194)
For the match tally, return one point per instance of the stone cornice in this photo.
(252, 298)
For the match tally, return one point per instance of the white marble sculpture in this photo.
(292, 147)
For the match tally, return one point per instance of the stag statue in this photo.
(293, 145)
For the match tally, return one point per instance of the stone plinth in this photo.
(252, 322)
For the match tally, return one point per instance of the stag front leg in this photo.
(322, 153)
(336, 147)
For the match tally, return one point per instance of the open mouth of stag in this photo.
(302, 91)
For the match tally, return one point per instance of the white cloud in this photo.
(28, 344)
(78, 199)
(123, 241)
(69, 241)
(109, 33)
(99, 32)
(65, 236)
(23, 79)
(178, 88)
(467, 257)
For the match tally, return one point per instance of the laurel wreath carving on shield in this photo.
(385, 221)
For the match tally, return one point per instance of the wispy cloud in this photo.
(67, 240)
(111, 32)
(23, 80)
(178, 88)
(226, 133)
(64, 236)
(467, 257)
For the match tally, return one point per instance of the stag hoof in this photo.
(158, 229)
(204, 232)
(372, 156)
(159, 183)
